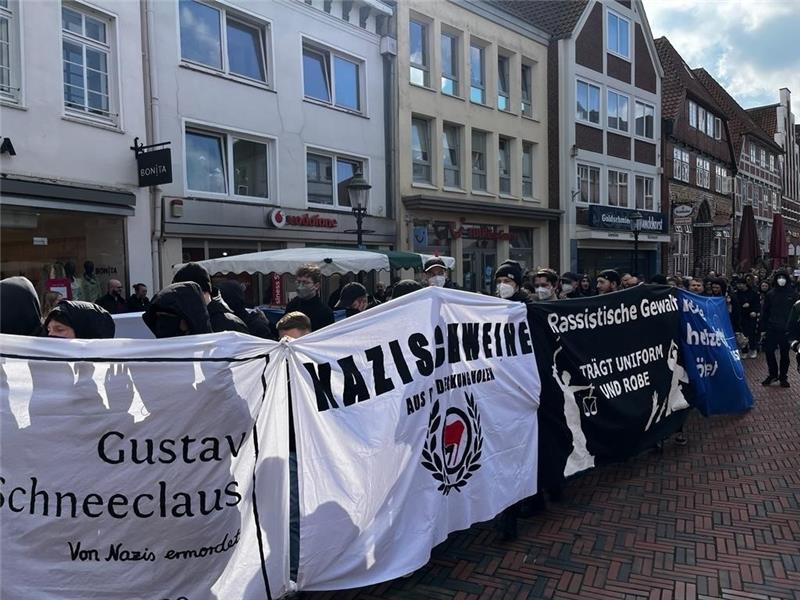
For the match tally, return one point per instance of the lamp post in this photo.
(636, 228)
(358, 190)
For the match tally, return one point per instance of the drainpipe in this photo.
(152, 131)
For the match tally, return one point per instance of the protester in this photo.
(220, 314)
(138, 301)
(334, 297)
(308, 278)
(673, 281)
(380, 292)
(179, 309)
(629, 280)
(20, 314)
(76, 319)
(51, 298)
(436, 274)
(696, 286)
(113, 301)
(587, 286)
(405, 286)
(608, 281)
(707, 291)
(508, 281)
(353, 299)
(749, 308)
(658, 279)
(294, 325)
(775, 312)
(569, 286)
(544, 285)
(719, 287)
(257, 323)
(793, 332)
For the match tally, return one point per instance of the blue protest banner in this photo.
(712, 355)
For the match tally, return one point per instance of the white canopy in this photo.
(329, 260)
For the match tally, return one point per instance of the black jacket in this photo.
(255, 320)
(20, 313)
(137, 305)
(775, 312)
(90, 321)
(222, 317)
(181, 301)
(750, 297)
(314, 308)
(113, 304)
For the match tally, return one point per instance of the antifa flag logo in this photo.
(453, 446)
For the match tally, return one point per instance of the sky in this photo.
(752, 47)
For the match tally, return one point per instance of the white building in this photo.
(71, 105)
(270, 108)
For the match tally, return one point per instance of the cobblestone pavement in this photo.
(718, 518)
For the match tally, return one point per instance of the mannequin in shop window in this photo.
(90, 287)
(74, 281)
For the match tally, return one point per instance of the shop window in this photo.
(451, 155)
(503, 88)
(331, 77)
(450, 64)
(617, 188)
(432, 238)
(421, 150)
(418, 53)
(588, 102)
(504, 164)
(320, 171)
(477, 73)
(521, 247)
(222, 40)
(589, 184)
(478, 160)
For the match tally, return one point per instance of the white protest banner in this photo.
(414, 419)
(127, 468)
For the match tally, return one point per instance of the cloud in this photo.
(750, 47)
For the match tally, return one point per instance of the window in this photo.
(527, 170)
(477, 74)
(504, 164)
(421, 150)
(617, 111)
(526, 84)
(331, 78)
(701, 119)
(618, 35)
(451, 155)
(721, 180)
(692, 114)
(703, 172)
(449, 64)
(680, 164)
(771, 162)
(418, 53)
(223, 41)
(717, 128)
(617, 188)
(208, 155)
(752, 153)
(763, 161)
(588, 102)
(320, 170)
(710, 125)
(644, 193)
(774, 201)
(478, 160)
(9, 52)
(589, 184)
(86, 58)
(645, 115)
(681, 244)
(503, 99)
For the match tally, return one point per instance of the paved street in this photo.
(718, 518)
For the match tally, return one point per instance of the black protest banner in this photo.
(613, 378)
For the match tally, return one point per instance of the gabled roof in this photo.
(766, 117)
(556, 17)
(678, 81)
(739, 122)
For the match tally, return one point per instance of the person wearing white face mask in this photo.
(774, 318)
(436, 273)
(569, 286)
(508, 280)
(544, 284)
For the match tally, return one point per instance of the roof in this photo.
(739, 121)
(766, 117)
(556, 17)
(678, 81)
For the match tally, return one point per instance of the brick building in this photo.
(779, 122)
(698, 169)
(604, 143)
(755, 153)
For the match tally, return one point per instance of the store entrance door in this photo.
(479, 267)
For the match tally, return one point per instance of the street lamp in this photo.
(358, 190)
(636, 229)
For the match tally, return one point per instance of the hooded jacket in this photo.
(90, 322)
(222, 317)
(20, 313)
(314, 308)
(777, 305)
(255, 320)
(183, 300)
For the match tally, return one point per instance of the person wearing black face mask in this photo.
(774, 317)
(179, 309)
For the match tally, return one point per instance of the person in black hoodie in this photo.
(20, 313)
(178, 309)
(749, 308)
(308, 278)
(353, 299)
(257, 323)
(75, 319)
(222, 317)
(774, 318)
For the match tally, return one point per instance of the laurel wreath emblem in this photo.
(432, 458)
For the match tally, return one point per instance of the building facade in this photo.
(271, 109)
(758, 177)
(70, 108)
(698, 171)
(472, 138)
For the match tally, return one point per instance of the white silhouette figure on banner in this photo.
(675, 400)
(579, 459)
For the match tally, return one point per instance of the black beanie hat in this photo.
(194, 272)
(510, 269)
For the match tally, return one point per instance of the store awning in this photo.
(37, 194)
(412, 260)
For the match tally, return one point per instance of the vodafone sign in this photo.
(279, 219)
